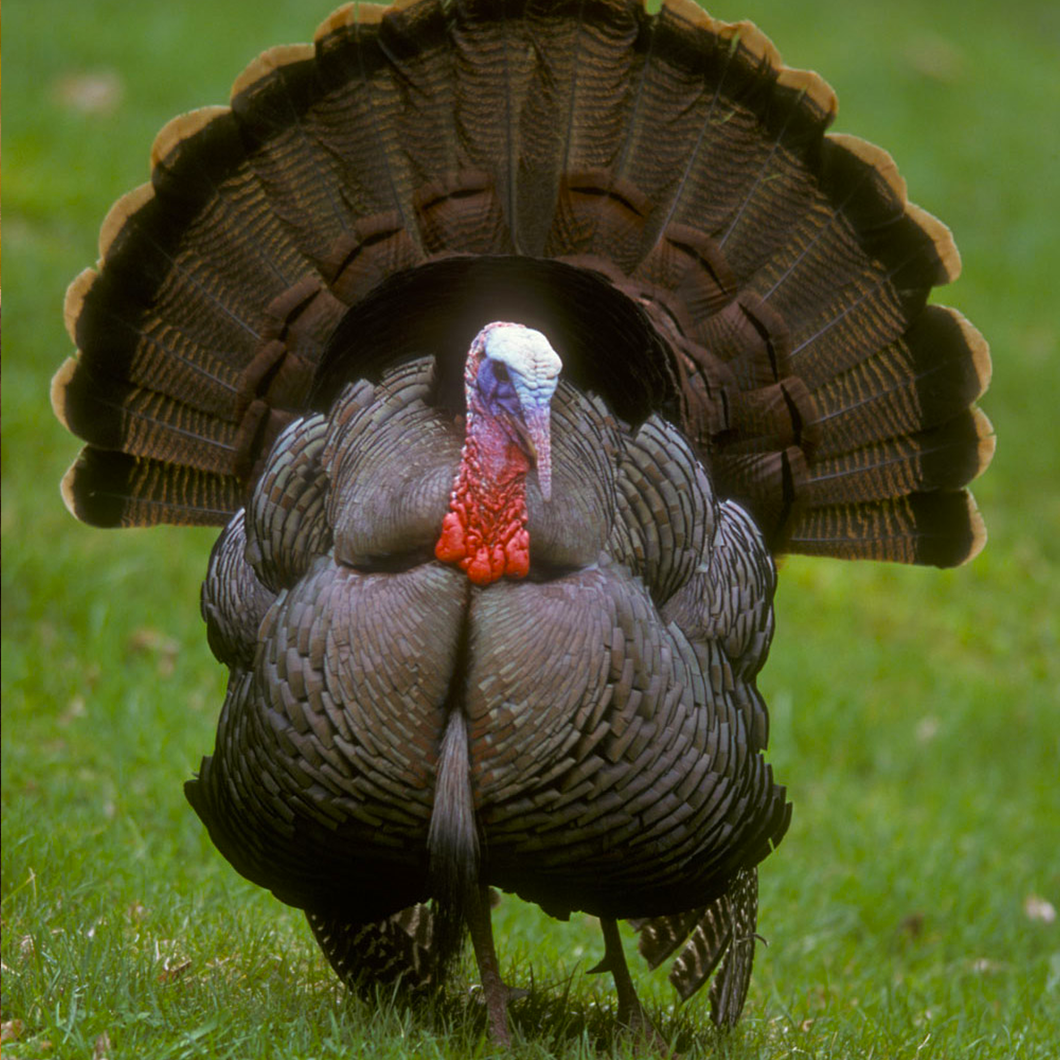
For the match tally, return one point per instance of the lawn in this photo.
(910, 912)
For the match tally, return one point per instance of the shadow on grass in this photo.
(552, 1019)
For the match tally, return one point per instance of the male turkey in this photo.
(510, 338)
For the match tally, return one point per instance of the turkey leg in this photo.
(477, 912)
(631, 1012)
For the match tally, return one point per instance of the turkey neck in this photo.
(485, 531)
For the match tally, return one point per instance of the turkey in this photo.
(509, 340)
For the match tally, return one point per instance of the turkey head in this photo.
(510, 378)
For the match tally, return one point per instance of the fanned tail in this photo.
(760, 281)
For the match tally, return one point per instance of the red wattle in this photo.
(484, 532)
(480, 569)
(451, 546)
(517, 554)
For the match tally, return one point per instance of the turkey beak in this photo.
(536, 436)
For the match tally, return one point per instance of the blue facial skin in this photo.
(495, 384)
(514, 384)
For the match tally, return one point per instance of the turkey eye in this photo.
(500, 372)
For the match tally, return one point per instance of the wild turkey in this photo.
(510, 338)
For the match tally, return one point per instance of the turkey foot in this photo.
(631, 1012)
(496, 991)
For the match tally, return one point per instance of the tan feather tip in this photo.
(60, 381)
(266, 64)
(949, 260)
(179, 129)
(978, 348)
(942, 238)
(812, 86)
(369, 14)
(130, 203)
(353, 14)
(748, 35)
(978, 531)
(339, 19)
(68, 490)
(689, 11)
(750, 38)
(75, 299)
(873, 155)
(984, 429)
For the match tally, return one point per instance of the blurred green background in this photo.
(911, 909)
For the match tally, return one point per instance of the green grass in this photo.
(915, 713)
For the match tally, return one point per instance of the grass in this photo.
(915, 713)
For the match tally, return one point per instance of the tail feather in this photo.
(944, 457)
(465, 217)
(115, 489)
(753, 128)
(157, 270)
(117, 345)
(930, 376)
(940, 529)
(546, 121)
(308, 187)
(861, 225)
(212, 200)
(116, 415)
(491, 63)
(414, 38)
